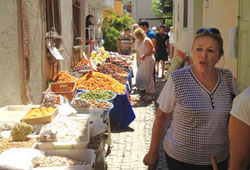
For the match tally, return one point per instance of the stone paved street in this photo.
(130, 145)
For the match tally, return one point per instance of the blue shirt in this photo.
(151, 34)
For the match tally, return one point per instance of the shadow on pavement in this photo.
(115, 128)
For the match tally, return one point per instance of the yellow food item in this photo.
(64, 76)
(99, 81)
(39, 112)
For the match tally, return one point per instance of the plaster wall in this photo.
(67, 33)
(37, 50)
(143, 9)
(10, 72)
(183, 37)
(223, 15)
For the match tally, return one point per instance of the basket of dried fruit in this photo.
(96, 95)
(67, 90)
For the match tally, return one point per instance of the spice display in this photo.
(65, 130)
(20, 131)
(39, 112)
(120, 64)
(96, 95)
(82, 68)
(99, 81)
(64, 76)
(52, 161)
(99, 104)
(115, 71)
(8, 144)
(82, 62)
(80, 102)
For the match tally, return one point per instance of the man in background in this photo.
(125, 41)
(162, 49)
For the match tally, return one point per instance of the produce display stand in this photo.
(98, 146)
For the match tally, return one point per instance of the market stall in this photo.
(72, 124)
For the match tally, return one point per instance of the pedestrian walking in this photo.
(125, 41)
(162, 49)
(200, 100)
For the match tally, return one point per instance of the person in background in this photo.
(199, 100)
(162, 44)
(134, 27)
(144, 51)
(89, 25)
(171, 41)
(239, 132)
(125, 41)
(149, 32)
(155, 29)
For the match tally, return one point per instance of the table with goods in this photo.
(71, 128)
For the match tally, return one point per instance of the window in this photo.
(185, 14)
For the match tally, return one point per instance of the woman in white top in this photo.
(144, 53)
(239, 132)
(199, 99)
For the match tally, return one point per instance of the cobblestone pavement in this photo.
(130, 145)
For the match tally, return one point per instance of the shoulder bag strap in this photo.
(228, 82)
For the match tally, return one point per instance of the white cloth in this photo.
(171, 37)
(241, 106)
(199, 127)
(232, 42)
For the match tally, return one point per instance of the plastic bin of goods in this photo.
(65, 133)
(96, 95)
(83, 159)
(65, 89)
(97, 109)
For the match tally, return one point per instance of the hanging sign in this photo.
(56, 53)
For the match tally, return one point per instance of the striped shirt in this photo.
(199, 127)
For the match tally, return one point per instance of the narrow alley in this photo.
(130, 145)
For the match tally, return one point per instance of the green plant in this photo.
(113, 26)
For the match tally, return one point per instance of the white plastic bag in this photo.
(19, 158)
(143, 75)
(97, 127)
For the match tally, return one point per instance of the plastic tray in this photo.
(65, 89)
(66, 145)
(41, 120)
(85, 155)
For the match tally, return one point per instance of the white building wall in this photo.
(143, 9)
(10, 75)
(37, 50)
(183, 37)
(67, 33)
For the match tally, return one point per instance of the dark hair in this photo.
(87, 18)
(144, 23)
(163, 26)
(127, 28)
(216, 37)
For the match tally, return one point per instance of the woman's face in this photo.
(206, 54)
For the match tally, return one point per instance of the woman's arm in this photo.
(148, 44)
(159, 127)
(239, 137)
